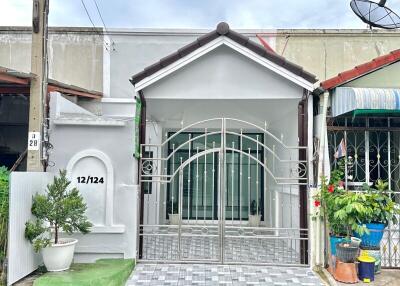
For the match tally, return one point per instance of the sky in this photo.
(268, 14)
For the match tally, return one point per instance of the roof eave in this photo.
(223, 29)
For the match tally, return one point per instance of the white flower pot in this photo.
(173, 219)
(254, 220)
(58, 257)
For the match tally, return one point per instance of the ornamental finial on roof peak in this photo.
(223, 28)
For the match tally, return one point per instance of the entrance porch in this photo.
(224, 159)
(224, 190)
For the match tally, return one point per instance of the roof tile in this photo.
(206, 38)
(152, 68)
(383, 60)
(361, 70)
(223, 30)
(396, 53)
(166, 61)
(238, 38)
(364, 68)
(346, 75)
(188, 49)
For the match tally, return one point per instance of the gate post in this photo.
(180, 198)
(303, 132)
(221, 191)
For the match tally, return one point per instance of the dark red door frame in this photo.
(142, 140)
(303, 141)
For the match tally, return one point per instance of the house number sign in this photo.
(90, 180)
(33, 141)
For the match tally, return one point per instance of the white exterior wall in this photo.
(93, 148)
(223, 74)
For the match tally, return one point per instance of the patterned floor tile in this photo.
(162, 244)
(207, 274)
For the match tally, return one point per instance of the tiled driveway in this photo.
(208, 274)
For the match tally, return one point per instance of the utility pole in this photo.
(38, 89)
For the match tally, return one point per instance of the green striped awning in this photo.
(365, 101)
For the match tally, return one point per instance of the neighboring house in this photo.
(363, 126)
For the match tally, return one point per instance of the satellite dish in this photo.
(375, 14)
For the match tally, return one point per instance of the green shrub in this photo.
(351, 211)
(383, 207)
(4, 183)
(60, 208)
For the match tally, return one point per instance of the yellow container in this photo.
(366, 258)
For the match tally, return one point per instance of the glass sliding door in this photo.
(244, 178)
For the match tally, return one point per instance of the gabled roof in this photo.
(223, 30)
(361, 70)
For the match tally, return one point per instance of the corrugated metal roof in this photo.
(9, 76)
(348, 99)
(22, 79)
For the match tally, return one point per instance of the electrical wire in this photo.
(87, 13)
(91, 21)
(104, 24)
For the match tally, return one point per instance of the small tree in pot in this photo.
(60, 208)
(384, 210)
(351, 209)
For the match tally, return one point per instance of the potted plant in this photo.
(255, 214)
(326, 206)
(60, 208)
(173, 214)
(383, 211)
(351, 209)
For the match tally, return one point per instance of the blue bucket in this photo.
(366, 268)
(335, 240)
(373, 239)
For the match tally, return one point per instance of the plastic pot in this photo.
(346, 251)
(373, 239)
(356, 241)
(254, 220)
(174, 219)
(333, 241)
(58, 257)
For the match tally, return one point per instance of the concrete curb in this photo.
(325, 276)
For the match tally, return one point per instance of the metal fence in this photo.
(372, 150)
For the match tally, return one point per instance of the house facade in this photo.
(223, 127)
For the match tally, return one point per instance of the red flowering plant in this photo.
(325, 200)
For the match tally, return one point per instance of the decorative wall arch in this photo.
(109, 194)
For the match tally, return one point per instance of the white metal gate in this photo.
(225, 191)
